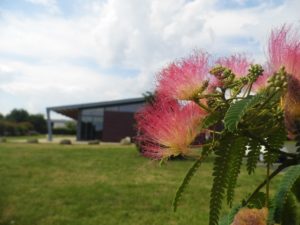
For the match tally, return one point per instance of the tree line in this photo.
(20, 122)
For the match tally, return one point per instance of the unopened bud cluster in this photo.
(278, 81)
(223, 74)
(254, 72)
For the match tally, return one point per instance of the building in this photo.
(106, 121)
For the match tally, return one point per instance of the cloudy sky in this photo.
(57, 52)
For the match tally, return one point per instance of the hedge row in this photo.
(8, 128)
(64, 131)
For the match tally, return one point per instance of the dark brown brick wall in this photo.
(118, 125)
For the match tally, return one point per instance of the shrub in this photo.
(32, 141)
(10, 128)
(63, 130)
(65, 142)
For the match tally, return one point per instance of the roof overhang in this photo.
(72, 111)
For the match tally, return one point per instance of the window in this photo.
(91, 123)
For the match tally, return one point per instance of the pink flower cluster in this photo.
(284, 50)
(239, 65)
(184, 79)
(168, 128)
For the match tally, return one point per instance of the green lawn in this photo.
(39, 136)
(80, 184)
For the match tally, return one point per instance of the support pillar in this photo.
(78, 133)
(49, 125)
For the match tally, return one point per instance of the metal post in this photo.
(78, 133)
(49, 125)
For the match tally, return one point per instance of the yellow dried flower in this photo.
(251, 217)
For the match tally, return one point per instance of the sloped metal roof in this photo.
(72, 111)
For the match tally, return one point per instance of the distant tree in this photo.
(39, 123)
(70, 128)
(18, 115)
(1, 117)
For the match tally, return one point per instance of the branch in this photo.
(286, 164)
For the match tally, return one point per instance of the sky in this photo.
(61, 52)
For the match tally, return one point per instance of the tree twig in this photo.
(286, 164)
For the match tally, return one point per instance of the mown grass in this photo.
(38, 136)
(88, 185)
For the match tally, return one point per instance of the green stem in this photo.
(237, 93)
(230, 99)
(247, 92)
(267, 185)
(211, 95)
(223, 98)
(213, 131)
(202, 106)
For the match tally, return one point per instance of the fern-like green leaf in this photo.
(253, 155)
(220, 181)
(185, 183)
(237, 110)
(285, 187)
(276, 141)
(277, 138)
(237, 152)
(296, 189)
(289, 214)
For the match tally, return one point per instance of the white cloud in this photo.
(46, 37)
(43, 2)
(44, 85)
(38, 54)
(50, 4)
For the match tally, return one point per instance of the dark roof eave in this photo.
(98, 104)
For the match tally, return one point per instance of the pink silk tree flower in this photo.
(238, 64)
(284, 50)
(168, 128)
(184, 79)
